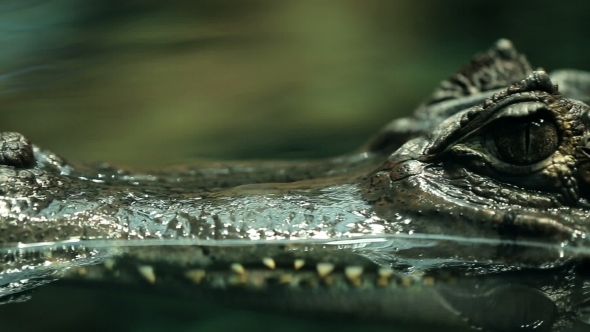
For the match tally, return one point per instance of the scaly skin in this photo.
(440, 197)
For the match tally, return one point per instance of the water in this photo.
(371, 280)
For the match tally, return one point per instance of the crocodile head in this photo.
(490, 174)
(512, 167)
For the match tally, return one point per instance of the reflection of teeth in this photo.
(147, 272)
(195, 275)
(298, 263)
(235, 280)
(324, 269)
(269, 262)
(82, 271)
(417, 275)
(406, 281)
(238, 268)
(428, 281)
(353, 272)
(109, 264)
(285, 279)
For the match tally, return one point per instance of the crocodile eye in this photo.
(523, 141)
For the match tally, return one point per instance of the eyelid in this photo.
(480, 141)
(452, 130)
(519, 110)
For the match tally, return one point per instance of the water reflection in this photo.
(375, 279)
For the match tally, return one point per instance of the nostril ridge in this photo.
(16, 150)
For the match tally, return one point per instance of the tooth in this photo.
(238, 268)
(353, 272)
(109, 264)
(385, 272)
(269, 262)
(298, 263)
(195, 275)
(147, 272)
(324, 269)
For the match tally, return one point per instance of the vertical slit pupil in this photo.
(524, 141)
(527, 140)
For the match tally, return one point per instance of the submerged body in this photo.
(473, 213)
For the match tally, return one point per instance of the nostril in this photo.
(16, 150)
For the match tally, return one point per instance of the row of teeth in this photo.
(324, 269)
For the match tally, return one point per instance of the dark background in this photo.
(151, 83)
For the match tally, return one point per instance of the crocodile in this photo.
(472, 213)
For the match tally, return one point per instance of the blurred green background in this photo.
(152, 83)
